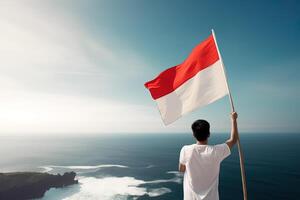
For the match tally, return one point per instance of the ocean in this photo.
(144, 166)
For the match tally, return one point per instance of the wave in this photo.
(150, 166)
(175, 180)
(46, 169)
(158, 191)
(49, 168)
(107, 188)
(88, 166)
(177, 173)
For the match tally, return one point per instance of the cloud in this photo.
(43, 47)
(57, 77)
(47, 113)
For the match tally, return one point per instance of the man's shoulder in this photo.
(222, 145)
(222, 149)
(187, 147)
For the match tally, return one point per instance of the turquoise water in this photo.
(143, 166)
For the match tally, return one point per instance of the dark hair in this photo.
(201, 130)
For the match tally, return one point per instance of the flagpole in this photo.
(241, 156)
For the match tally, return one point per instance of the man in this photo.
(200, 162)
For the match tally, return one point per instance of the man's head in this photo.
(201, 130)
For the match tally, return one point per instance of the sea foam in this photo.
(108, 188)
(49, 168)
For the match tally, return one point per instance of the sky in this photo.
(79, 66)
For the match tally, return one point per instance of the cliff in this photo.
(28, 185)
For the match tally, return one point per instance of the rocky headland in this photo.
(30, 185)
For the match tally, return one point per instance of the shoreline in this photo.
(30, 185)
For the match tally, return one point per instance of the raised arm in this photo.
(234, 131)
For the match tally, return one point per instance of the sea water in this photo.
(144, 166)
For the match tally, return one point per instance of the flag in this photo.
(198, 81)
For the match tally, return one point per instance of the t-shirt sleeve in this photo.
(222, 151)
(182, 157)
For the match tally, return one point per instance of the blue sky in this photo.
(79, 66)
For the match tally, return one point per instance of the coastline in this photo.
(29, 185)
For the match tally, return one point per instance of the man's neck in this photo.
(202, 142)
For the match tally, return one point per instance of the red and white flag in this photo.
(198, 81)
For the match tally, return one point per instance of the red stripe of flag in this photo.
(202, 56)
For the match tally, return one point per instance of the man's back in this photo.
(202, 163)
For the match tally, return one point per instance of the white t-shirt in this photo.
(201, 177)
